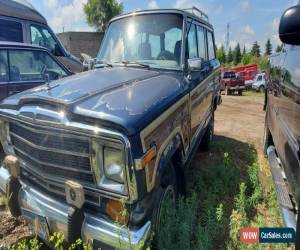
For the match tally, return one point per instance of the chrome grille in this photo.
(51, 156)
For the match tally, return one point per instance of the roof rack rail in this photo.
(196, 12)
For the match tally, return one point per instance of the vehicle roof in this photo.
(22, 10)
(184, 12)
(4, 44)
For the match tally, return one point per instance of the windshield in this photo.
(152, 39)
(229, 75)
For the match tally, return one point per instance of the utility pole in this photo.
(227, 37)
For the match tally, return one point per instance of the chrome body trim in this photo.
(121, 237)
(35, 203)
(285, 204)
(4, 179)
(49, 149)
(83, 130)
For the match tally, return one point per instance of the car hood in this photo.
(128, 97)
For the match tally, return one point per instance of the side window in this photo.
(192, 43)
(201, 42)
(259, 78)
(11, 31)
(211, 46)
(27, 65)
(42, 37)
(3, 66)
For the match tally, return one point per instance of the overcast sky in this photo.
(249, 20)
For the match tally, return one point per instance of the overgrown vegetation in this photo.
(222, 199)
(224, 194)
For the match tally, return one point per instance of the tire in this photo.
(227, 91)
(240, 92)
(208, 136)
(267, 139)
(169, 193)
(261, 89)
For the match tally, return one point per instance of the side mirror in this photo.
(88, 62)
(289, 27)
(195, 64)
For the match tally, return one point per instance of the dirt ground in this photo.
(239, 117)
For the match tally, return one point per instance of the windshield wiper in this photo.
(102, 64)
(126, 63)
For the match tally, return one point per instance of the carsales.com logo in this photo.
(253, 235)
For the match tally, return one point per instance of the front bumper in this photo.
(95, 230)
(237, 88)
(255, 87)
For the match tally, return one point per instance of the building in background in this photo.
(81, 42)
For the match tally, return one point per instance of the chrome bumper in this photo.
(95, 229)
(237, 88)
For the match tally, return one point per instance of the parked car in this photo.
(92, 145)
(20, 22)
(26, 66)
(282, 129)
(231, 82)
(259, 83)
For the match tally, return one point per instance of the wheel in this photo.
(261, 89)
(240, 92)
(208, 136)
(167, 198)
(267, 139)
(227, 91)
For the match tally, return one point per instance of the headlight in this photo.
(114, 164)
(108, 163)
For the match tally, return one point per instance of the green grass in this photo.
(253, 93)
(224, 195)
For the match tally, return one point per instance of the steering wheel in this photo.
(166, 55)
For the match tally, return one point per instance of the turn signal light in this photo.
(117, 211)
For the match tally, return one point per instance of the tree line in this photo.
(237, 56)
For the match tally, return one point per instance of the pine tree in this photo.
(229, 56)
(279, 48)
(237, 55)
(268, 50)
(244, 50)
(221, 55)
(255, 51)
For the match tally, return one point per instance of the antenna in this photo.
(227, 37)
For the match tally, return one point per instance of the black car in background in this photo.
(282, 126)
(26, 66)
(21, 22)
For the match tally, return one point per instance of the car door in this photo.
(199, 81)
(273, 95)
(289, 117)
(4, 73)
(29, 68)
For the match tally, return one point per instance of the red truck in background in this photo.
(248, 72)
(231, 82)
